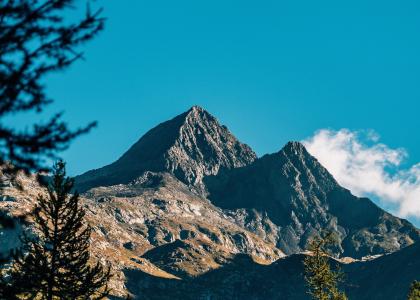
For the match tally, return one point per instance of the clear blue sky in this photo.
(272, 71)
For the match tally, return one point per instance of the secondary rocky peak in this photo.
(295, 156)
(296, 148)
(190, 146)
(296, 153)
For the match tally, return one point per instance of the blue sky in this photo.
(272, 71)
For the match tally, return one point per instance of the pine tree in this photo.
(320, 278)
(414, 293)
(57, 264)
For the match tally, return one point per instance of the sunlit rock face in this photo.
(154, 224)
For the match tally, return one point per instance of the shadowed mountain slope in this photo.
(289, 197)
(387, 277)
(190, 146)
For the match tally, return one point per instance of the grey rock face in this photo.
(289, 198)
(190, 146)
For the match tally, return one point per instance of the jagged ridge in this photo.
(190, 146)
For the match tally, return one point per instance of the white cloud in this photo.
(366, 167)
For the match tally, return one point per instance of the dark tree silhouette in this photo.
(36, 40)
(320, 278)
(57, 264)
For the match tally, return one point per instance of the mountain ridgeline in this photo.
(190, 146)
(190, 212)
(286, 198)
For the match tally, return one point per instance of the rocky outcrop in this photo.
(190, 146)
(153, 224)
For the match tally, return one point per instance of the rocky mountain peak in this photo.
(203, 147)
(197, 110)
(295, 148)
(190, 146)
(296, 159)
(197, 116)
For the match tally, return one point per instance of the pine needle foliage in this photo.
(57, 263)
(37, 39)
(321, 279)
(414, 293)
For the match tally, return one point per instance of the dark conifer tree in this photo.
(57, 263)
(36, 40)
(321, 279)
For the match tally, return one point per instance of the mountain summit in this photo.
(190, 146)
